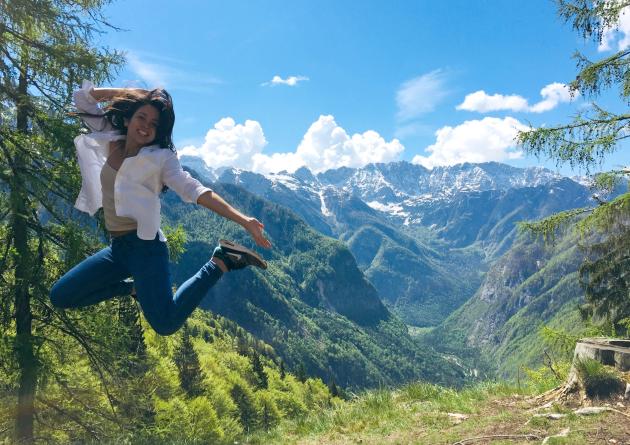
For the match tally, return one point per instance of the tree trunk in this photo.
(23, 317)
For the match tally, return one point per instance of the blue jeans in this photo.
(102, 276)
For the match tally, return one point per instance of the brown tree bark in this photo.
(23, 317)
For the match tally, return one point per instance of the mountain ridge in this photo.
(416, 250)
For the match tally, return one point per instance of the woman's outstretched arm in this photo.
(214, 202)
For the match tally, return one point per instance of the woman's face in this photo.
(142, 127)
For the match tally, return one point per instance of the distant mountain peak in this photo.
(400, 189)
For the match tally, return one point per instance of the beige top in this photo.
(113, 222)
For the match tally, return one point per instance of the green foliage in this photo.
(605, 274)
(549, 228)
(187, 362)
(608, 181)
(559, 339)
(191, 421)
(45, 49)
(301, 372)
(270, 415)
(585, 142)
(544, 378)
(176, 239)
(625, 324)
(244, 399)
(261, 376)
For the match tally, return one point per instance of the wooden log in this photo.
(608, 351)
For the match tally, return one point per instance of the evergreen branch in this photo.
(32, 80)
(589, 17)
(101, 366)
(593, 76)
(78, 399)
(607, 181)
(607, 216)
(8, 243)
(71, 416)
(548, 228)
(582, 142)
(50, 235)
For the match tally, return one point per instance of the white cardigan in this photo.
(140, 178)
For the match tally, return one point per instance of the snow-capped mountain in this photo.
(405, 224)
(401, 190)
(397, 181)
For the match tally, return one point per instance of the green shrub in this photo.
(191, 421)
(599, 380)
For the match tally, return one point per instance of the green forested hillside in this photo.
(313, 304)
(425, 256)
(210, 383)
(530, 287)
(422, 279)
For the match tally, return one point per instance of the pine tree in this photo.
(300, 373)
(283, 372)
(259, 371)
(187, 362)
(45, 48)
(242, 344)
(585, 142)
(269, 412)
(334, 390)
(244, 400)
(134, 402)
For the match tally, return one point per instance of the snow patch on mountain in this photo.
(324, 208)
(392, 208)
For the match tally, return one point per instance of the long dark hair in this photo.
(126, 104)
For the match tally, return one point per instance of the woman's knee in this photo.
(165, 330)
(58, 296)
(163, 326)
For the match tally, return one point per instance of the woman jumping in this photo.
(125, 162)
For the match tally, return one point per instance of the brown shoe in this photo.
(236, 256)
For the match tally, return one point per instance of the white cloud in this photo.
(325, 145)
(482, 102)
(619, 33)
(420, 95)
(488, 139)
(552, 95)
(290, 81)
(229, 144)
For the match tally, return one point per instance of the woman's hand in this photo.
(210, 200)
(255, 229)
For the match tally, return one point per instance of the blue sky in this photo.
(356, 81)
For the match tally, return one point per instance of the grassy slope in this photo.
(418, 414)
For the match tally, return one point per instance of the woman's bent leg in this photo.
(164, 312)
(95, 279)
